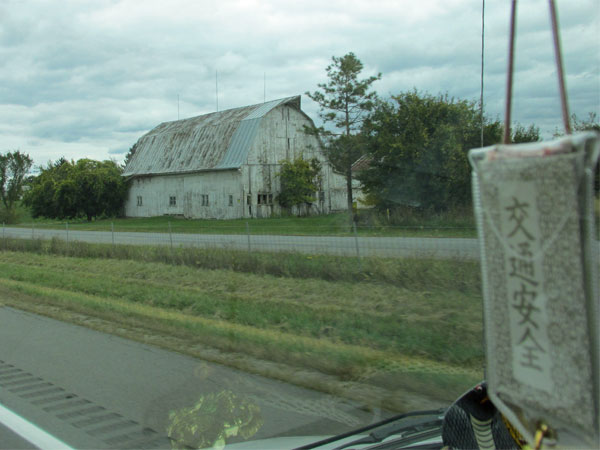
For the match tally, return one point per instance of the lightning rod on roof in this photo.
(265, 87)
(217, 88)
(177, 106)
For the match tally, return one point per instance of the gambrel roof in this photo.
(219, 140)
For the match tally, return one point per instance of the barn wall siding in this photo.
(189, 191)
(281, 136)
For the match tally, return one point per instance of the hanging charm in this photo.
(539, 257)
(534, 209)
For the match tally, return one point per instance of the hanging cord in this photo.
(509, 81)
(559, 67)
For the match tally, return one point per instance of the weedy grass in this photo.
(415, 274)
(421, 326)
(380, 317)
(390, 374)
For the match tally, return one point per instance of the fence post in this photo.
(248, 234)
(170, 236)
(357, 250)
(67, 231)
(3, 236)
(32, 228)
(112, 232)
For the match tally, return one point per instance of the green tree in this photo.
(522, 134)
(130, 154)
(299, 179)
(13, 170)
(87, 188)
(418, 145)
(344, 100)
(41, 196)
(589, 124)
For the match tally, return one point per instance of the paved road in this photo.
(94, 390)
(391, 247)
(12, 441)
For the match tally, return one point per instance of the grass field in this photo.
(460, 223)
(332, 224)
(426, 330)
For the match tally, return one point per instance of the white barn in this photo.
(224, 165)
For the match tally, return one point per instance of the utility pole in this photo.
(482, 55)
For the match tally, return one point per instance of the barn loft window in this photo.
(139, 200)
(231, 200)
(204, 199)
(172, 200)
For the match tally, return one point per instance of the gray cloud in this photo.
(87, 79)
(118, 151)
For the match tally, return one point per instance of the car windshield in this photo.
(252, 223)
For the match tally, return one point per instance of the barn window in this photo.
(231, 200)
(264, 199)
(248, 200)
(139, 200)
(172, 200)
(204, 199)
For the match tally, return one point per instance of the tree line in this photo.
(86, 188)
(63, 189)
(414, 144)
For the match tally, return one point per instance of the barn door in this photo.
(188, 211)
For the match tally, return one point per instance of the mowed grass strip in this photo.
(438, 324)
(319, 225)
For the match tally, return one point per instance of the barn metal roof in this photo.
(215, 141)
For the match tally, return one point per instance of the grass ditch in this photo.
(422, 332)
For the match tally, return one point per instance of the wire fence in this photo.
(349, 241)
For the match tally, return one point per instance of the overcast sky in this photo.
(88, 78)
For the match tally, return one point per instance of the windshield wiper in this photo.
(408, 435)
(377, 435)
